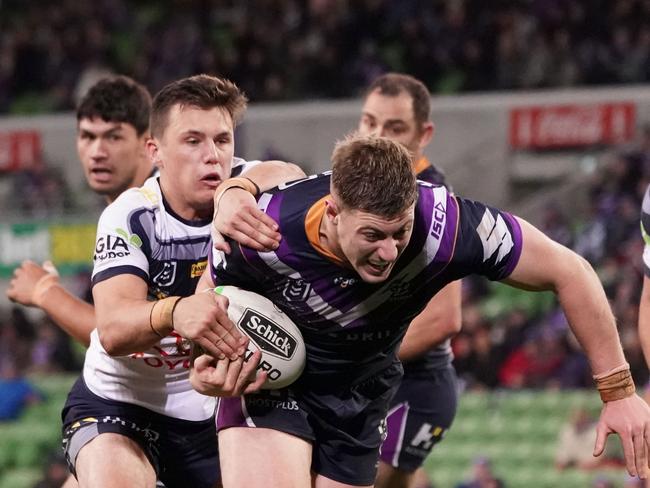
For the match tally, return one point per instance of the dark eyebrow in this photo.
(112, 130)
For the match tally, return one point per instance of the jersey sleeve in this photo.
(118, 247)
(240, 166)
(488, 242)
(645, 231)
(232, 269)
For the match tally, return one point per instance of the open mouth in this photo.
(101, 174)
(378, 267)
(211, 179)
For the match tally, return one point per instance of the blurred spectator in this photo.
(482, 476)
(333, 47)
(576, 444)
(16, 393)
(55, 471)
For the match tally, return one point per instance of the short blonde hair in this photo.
(374, 175)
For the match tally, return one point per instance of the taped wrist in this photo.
(615, 384)
(42, 286)
(242, 183)
(161, 316)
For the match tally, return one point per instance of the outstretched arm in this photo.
(38, 286)
(547, 265)
(440, 320)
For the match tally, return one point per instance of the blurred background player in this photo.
(397, 106)
(112, 131)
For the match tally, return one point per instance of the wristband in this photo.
(615, 385)
(42, 286)
(245, 184)
(238, 182)
(161, 316)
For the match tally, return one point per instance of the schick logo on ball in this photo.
(268, 335)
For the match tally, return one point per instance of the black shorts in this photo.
(419, 415)
(345, 426)
(182, 452)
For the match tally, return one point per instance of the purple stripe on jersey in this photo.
(395, 422)
(230, 413)
(517, 240)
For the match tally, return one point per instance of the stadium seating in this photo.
(518, 431)
(27, 442)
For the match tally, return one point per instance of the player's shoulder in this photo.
(147, 196)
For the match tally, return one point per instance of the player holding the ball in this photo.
(364, 248)
(134, 415)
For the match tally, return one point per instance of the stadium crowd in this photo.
(525, 348)
(52, 51)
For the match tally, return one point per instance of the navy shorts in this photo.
(345, 425)
(182, 452)
(419, 415)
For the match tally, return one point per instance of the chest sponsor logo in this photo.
(268, 335)
(198, 269)
(296, 290)
(167, 274)
(110, 247)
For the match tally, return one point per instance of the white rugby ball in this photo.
(269, 330)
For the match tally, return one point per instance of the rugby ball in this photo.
(269, 330)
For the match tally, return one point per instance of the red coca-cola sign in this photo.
(562, 126)
(20, 149)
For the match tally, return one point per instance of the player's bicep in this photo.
(115, 295)
(541, 262)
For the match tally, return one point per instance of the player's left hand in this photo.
(31, 281)
(236, 216)
(226, 378)
(630, 419)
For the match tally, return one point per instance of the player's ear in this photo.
(144, 139)
(153, 150)
(426, 134)
(331, 211)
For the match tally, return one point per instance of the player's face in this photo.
(195, 155)
(111, 154)
(393, 118)
(372, 244)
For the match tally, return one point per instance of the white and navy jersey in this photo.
(351, 328)
(645, 231)
(139, 234)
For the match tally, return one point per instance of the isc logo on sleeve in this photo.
(268, 335)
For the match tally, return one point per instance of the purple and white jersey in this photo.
(441, 355)
(645, 230)
(352, 329)
(140, 234)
